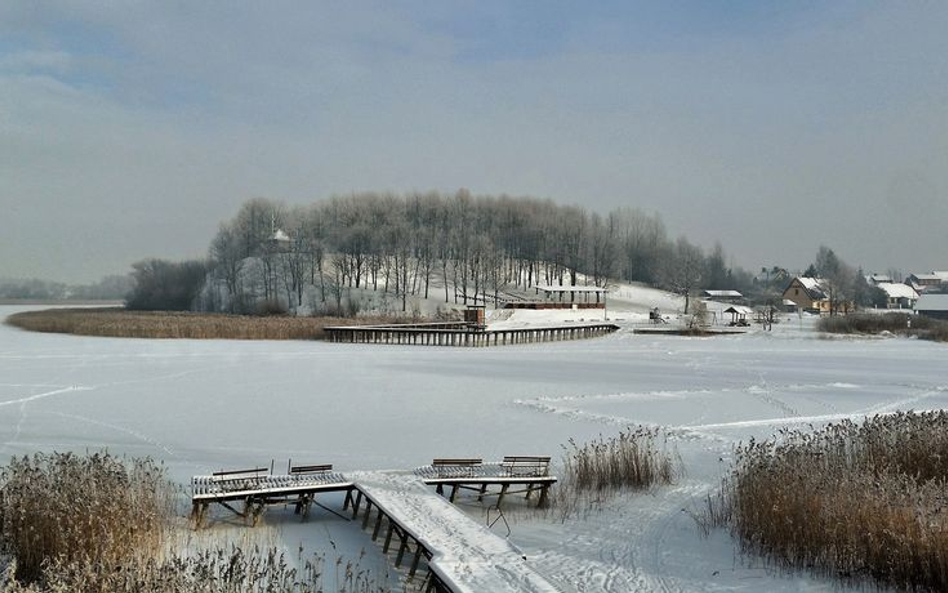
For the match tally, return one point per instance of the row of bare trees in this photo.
(473, 249)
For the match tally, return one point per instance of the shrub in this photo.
(162, 285)
(858, 501)
(897, 323)
(94, 509)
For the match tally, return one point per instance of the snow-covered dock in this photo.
(462, 556)
(439, 335)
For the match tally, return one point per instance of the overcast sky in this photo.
(132, 129)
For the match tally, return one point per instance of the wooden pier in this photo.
(460, 334)
(531, 473)
(427, 534)
(255, 489)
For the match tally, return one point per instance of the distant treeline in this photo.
(108, 288)
(405, 244)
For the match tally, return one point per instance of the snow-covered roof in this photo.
(928, 277)
(932, 302)
(726, 294)
(811, 283)
(740, 310)
(942, 275)
(898, 291)
(878, 278)
(279, 235)
(571, 288)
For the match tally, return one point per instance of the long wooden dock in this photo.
(460, 334)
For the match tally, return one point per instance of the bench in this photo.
(526, 465)
(304, 470)
(456, 467)
(239, 479)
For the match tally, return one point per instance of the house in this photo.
(898, 296)
(876, 279)
(808, 294)
(924, 282)
(933, 305)
(726, 296)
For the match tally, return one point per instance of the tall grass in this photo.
(861, 501)
(903, 324)
(121, 323)
(635, 459)
(211, 571)
(102, 524)
(96, 509)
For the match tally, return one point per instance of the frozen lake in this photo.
(205, 405)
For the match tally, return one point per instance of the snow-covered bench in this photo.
(526, 465)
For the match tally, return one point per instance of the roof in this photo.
(898, 291)
(942, 275)
(728, 294)
(279, 235)
(571, 288)
(878, 278)
(932, 302)
(930, 277)
(740, 310)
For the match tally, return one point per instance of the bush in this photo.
(857, 501)
(904, 324)
(166, 286)
(94, 509)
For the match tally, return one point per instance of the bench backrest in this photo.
(457, 461)
(240, 475)
(297, 470)
(527, 464)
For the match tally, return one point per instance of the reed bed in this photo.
(93, 509)
(122, 323)
(861, 501)
(903, 324)
(211, 571)
(635, 459)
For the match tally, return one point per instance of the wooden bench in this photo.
(305, 470)
(526, 465)
(453, 467)
(239, 479)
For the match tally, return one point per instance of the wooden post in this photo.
(414, 562)
(356, 505)
(503, 491)
(368, 511)
(388, 536)
(378, 526)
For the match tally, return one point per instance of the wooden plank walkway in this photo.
(462, 555)
(428, 335)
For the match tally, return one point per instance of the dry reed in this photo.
(96, 508)
(860, 501)
(635, 459)
(122, 323)
(210, 571)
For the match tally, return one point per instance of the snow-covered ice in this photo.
(200, 406)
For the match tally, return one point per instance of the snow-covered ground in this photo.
(205, 405)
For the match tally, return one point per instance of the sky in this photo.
(133, 129)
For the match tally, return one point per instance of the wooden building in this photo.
(808, 294)
(933, 305)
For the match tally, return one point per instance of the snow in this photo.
(200, 406)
